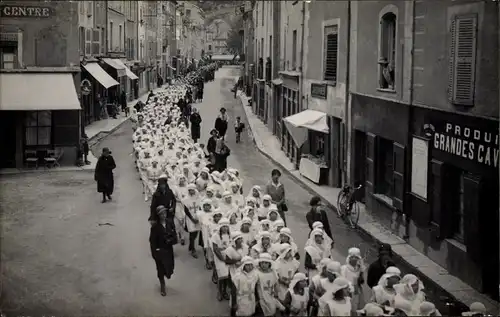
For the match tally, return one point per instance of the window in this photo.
(462, 60)
(459, 228)
(262, 47)
(120, 37)
(210, 36)
(96, 44)
(8, 57)
(385, 168)
(294, 50)
(103, 41)
(387, 58)
(88, 41)
(81, 38)
(38, 128)
(110, 44)
(330, 53)
(188, 13)
(210, 47)
(90, 8)
(262, 13)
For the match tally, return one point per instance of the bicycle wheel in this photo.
(341, 204)
(354, 215)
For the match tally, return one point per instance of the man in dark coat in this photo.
(212, 142)
(377, 268)
(195, 119)
(162, 238)
(162, 196)
(123, 103)
(221, 156)
(199, 90)
(318, 214)
(104, 174)
(221, 123)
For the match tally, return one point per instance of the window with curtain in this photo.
(38, 128)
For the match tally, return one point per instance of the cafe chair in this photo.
(31, 158)
(53, 157)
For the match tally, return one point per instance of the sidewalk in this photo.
(269, 145)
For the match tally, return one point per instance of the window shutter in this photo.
(441, 208)
(398, 163)
(462, 60)
(82, 40)
(472, 226)
(331, 54)
(88, 41)
(371, 142)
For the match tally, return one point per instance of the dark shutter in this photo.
(398, 172)
(441, 206)
(66, 127)
(331, 54)
(371, 142)
(462, 60)
(472, 227)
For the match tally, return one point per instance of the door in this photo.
(8, 121)
(360, 161)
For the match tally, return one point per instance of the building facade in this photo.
(192, 37)
(216, 37)
(248, 46)
(40, 111)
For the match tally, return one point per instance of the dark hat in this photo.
(106, 150)
(161, 209)
(383, 61)
(315, 201)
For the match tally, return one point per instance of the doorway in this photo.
(8, 120)
(360, 162)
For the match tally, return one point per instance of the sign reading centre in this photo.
(10, 11)
(470, 143)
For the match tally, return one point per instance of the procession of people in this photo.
(248, 250)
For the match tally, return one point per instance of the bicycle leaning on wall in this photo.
(347, 206)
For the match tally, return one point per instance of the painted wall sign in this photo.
(474, 144)
(85, 87)
(419, 167)
(319, 91)
(7, 11)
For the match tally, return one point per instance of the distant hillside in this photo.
(208, 6)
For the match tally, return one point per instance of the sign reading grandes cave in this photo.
(470, 143)
(7, 11)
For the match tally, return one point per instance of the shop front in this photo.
(380, 137)
(117, 70)
(138, 68)
(277, 113)
(43, 121)
(260, 104)
(132, 79)
(302, 126)
(95, 84)
(291, 105)
(454, 194)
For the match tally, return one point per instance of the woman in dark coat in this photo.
(163, 196)
(318, 214)
(221, 123)
(103, 174)
(195, 120)
(199, 91)
(221, 157)
(162, 238)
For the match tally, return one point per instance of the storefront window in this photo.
(38, 128)
(385, 168)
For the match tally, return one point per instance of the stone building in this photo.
(39, 81)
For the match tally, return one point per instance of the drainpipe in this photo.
(302, 38)
(347, 113)
(406, 218)
(107, 26)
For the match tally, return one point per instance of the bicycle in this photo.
(347, 207)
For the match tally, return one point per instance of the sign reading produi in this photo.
(9, 11)
(470, 143)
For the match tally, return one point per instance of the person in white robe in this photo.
(410, 290)
(384, 293)
(285, 236)
(245, 282)
(353, 271)
(238, 198)
(249, 212)
(191, 208)
(273, 215)
(263, 210)
(267, 287)
(256, 194)
(227, 205)
(337, 301)
(263, 244)
(202, 180)
(275, 230)
(213, 229)
(371, 309)
(314, 285)
(247, 233)
(210, 193)
(180, 190)
(216, 183)
(186, 171)
(153, 173)
(326, 284)
(315, 250)
(297, 296)
(196, 166)
(146, 162)
(428, 309)
(205, 217)
(221, 240)
(234, 220)
(265, 225)
(286, 267)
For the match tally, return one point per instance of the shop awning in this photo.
(100, 75)
(38, 91)
(113, 63)
(222, 57)
(299, 123)
(277, 81)
(129, 73)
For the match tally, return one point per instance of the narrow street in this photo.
(65, 253)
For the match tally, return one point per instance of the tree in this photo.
(234, 42)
